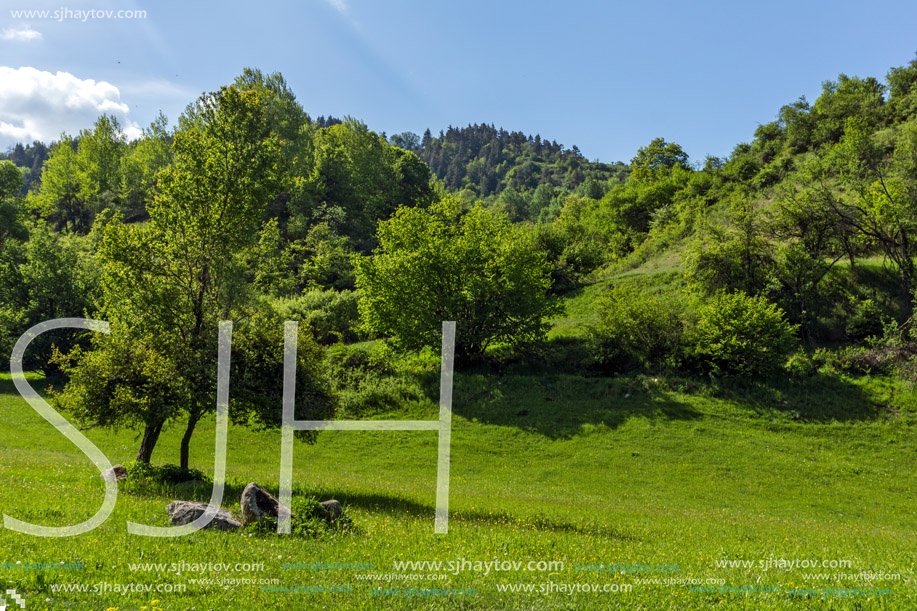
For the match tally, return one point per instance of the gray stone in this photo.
(333, 509)
(118, 471)
(258, 504)
(185, 512)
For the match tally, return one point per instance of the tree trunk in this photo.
(907, 275)
(186, 439)
(150, 437)
(848, 249)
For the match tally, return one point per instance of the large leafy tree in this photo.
(141, 164)
(444, 263)
(658, 157)
(359, 179)
(168, 283)
(59, 200)
(11, 217)
(879, 197)
(82, 176)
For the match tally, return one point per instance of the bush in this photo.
(636, 329)
(367, 384)
(571, 249)
(309, 519)
(802, 365)
(865, 320)
(443, 263)
(737, 334)
(164, 474)
(333, 315)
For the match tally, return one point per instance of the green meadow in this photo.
(634, 492)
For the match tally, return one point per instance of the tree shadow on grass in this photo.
(821, 398)
(557, 395)
(398, 506)
(193, 490)
(379, 503)
(561, 406)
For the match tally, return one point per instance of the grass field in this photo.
(547, 466)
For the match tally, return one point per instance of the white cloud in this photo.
(21, 34)
(344, 11)
(39, 105)
(338, 5)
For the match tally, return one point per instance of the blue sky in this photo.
(606, 76)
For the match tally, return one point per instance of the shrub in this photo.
(333, 315)
(572, 249)
(865, 320)
(368, 384)
(163, 474)
(737, 334)
(309, 519)
(443, 263)
(802, 365)
(636, 329)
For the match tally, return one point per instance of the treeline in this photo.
(480, 162)
(31, 159)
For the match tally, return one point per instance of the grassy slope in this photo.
(545, 466)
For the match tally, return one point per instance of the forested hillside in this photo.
(481, 161)
(792, 255)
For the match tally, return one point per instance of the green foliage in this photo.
(865, 320)
(124, 380)
(637, 328)
(737, 256)
(737, 334)
(13, 323)
(309, 519)
(802, 365)
(168, 283)
(10, 179)
(50, 276)
(11, 210)
(326, 260)
(572, 245)
(879, 187)
(486, 161)
(846, 98)
(29, 159)
(280, 109)
(258, 370)
(370, 382)
(58, 199)
(321, 260)
(141, 164)
(513, 204)
(333, 316)
(655, 206)
(82, 176)
(164, 474)
(657, 159)
(100, 170)
(902, 91)
(358, 179)
(446, 264)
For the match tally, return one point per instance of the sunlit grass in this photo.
(548, 468)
